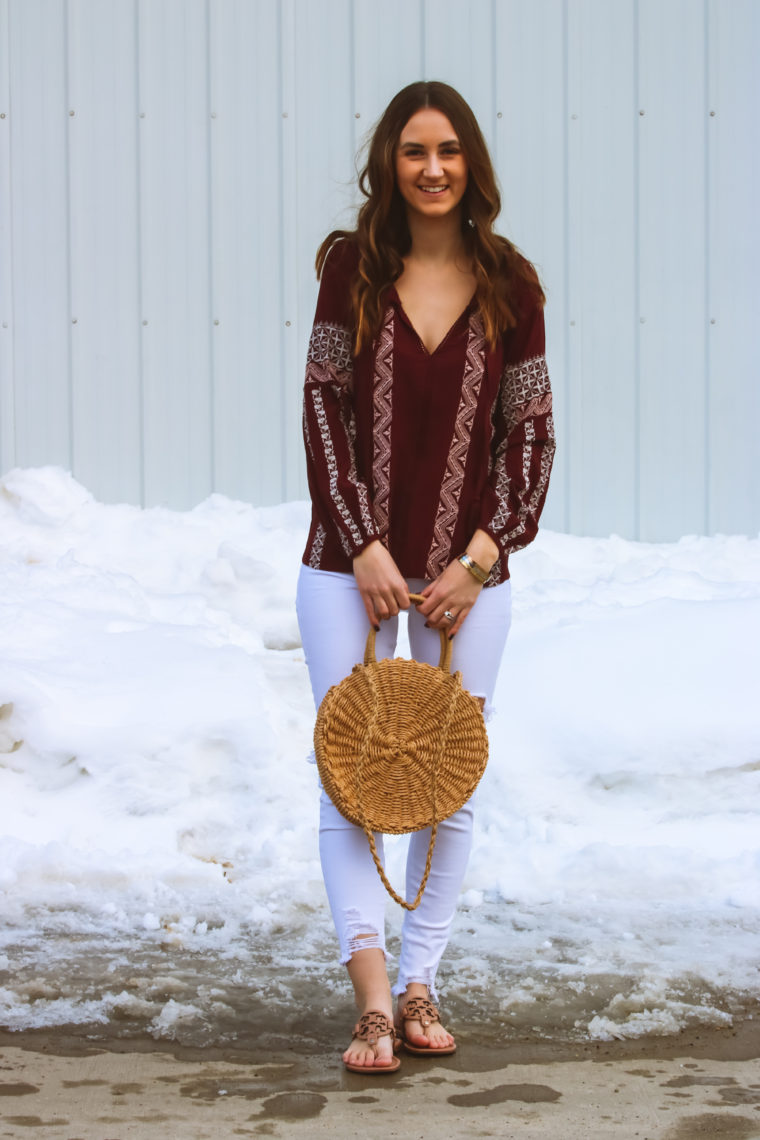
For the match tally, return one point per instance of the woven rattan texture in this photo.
(400, 744)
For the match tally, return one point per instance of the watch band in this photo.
(471, 565)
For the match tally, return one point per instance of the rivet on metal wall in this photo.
(73, 320)
(713, 321)
(712, 114)
(357, 114)
(499, 115)
(572, 324)
(142, 114)
(642, 320)
(213, 114)
(287, 324)
(573, 116)
(642, 113)
(2, 114)
(284, 114)
(145, 322)
(71, 114)
(216, 322)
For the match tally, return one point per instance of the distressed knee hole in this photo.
(361, 935)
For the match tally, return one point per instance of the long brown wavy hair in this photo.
(382, 233)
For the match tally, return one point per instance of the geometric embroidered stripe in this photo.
(348, 421)
(317, 547)
(510, 540)
(521, 383)
(451, 487)
(382, 414)
(331, 344)
(332, 470)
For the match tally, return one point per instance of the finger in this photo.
(459, 621)
(427, 607)
(444, 616)
(441, 617)
(402, 597)
(391, 604)
(370, 608)
(381, 607)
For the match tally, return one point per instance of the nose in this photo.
(433, 165)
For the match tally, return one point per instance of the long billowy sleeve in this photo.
(523, 443)
(340, 497)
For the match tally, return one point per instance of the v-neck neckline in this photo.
(446, 335)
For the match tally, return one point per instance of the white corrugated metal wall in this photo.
(168, 167)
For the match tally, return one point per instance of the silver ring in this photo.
(448, 615)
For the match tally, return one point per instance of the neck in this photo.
(436, 239)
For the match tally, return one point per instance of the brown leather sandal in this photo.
(422, 1010)
(370, 1028)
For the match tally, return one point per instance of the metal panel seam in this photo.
(423, 45)
(11, 246)
(566, 314)
(495, 60)
(285, 12)
(211, 354)
(69, 298)
(283, 267)
(139, 252)
(637, 272)
(708, 274)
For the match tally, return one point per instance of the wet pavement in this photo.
(75, 1087)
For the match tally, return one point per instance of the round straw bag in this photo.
(400, 746)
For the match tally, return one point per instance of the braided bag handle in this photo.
(400, 746)
(445, 665)
(444, 662)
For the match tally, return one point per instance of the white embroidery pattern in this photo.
(330, 361)
(525, 392)
(349, 426)
(529, 507)
(448, 505)
(315, 558)
(330, 344)
(307, 431)
(382, 409)
(494, 577)
(332, 471)
(521, 384)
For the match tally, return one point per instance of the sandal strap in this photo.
(374, 1025)
(420, 1009)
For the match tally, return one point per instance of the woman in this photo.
(429, 442)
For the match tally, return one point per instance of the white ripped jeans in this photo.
(334, 628)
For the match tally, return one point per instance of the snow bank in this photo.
(155, 717)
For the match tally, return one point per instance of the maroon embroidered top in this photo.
(421, 449)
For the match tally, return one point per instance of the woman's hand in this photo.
(383, 589)
(456, 590)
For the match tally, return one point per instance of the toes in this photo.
(436, 1038)
(358, 1059)
(367, 1057)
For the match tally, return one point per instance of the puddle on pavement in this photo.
(528, 1094)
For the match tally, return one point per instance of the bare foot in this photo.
(372, 1051)
(432, 1036)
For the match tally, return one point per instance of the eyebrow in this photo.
(409, 144)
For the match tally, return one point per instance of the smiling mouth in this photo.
(432, 189)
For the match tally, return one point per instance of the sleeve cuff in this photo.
(357, 550)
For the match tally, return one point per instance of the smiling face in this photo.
(431, 170)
